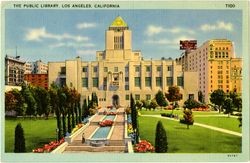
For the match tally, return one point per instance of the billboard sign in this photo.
(188, 44)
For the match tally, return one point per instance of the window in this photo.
(127, 97)
(137, 82)
(148, 81)
(85, 82)
(63, 70)
(180, 81)
(191, 96)
(148, 97)
(126, 79)
(105, 69)
(118, 42)
(169, 68)
(158, 82)
(158, 68)
(95, 69)
(137, 97)
(115, 69)
(148, 69)
(85, 69)
(169, 81)
(137, 69)
(126, 87)
(95, 82)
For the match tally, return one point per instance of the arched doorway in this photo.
(115, 100)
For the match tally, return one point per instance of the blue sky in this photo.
(56, 35)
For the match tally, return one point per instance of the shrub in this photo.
(167, 115)
(19, 139)
(161, 144)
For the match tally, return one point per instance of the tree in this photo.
(134, 118)
(21, 106)
(42, 98)
(10, 101)
(238, 103)
(139, 104)
(228, 106)
(236, 99)
(218, 97)
(54, 101)
(30, 101)
(94, 99)
(85, 109)
(133, 112)
(153, 104)
(188, 117)
(161, 144)
(240, 120)
(160, 99)
(191, 103)
(146, 104)
(19, 146)
(173, 95)
(62, 93)
(79, 108)
(200, 97)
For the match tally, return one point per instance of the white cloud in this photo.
(37, 34)
(159, 42)
(57, 45)
(85, 25)
(71, 44)
(220, 25)
(173, 42)
(85, 52)
(154, 30)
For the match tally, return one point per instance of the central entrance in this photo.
(115, 100)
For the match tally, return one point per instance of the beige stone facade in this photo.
(119, 71)
(217, 66)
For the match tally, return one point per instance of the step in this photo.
(96, 149)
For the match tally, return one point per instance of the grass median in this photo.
(37, 132)
(193, 140)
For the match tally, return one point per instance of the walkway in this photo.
(201, 125)
(116, 142)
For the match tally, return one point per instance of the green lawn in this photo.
(222, 122)
(193, 140)
(37, 133)
(179, 112)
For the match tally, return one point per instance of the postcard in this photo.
(125, 81)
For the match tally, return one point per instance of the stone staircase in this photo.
(116, 143)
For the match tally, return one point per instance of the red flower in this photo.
(143, 147)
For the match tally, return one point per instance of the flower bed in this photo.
(49, 147)
(106, 123)
(201, 109)
(130, 129)
(144, 146)
(77, 127)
